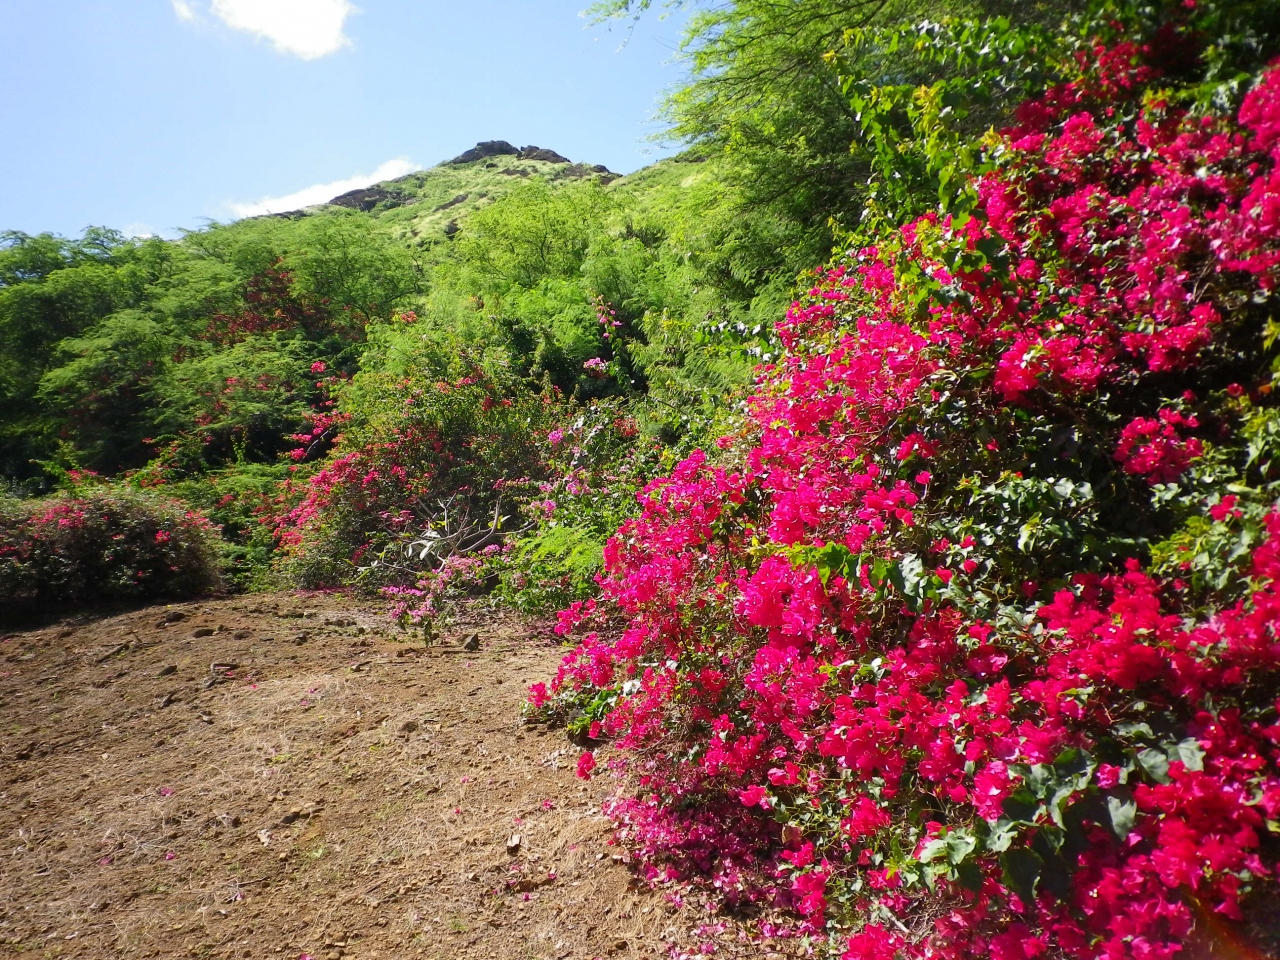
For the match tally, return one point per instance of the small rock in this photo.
(241, 635)
(202, 632)
(174, 616)
(168, 671)
(513, 845)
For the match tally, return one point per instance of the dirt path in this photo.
(278, 776)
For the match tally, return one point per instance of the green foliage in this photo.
(52, 289)
(792, 100)
(923, 93)
(597, 462)
(553, 568)
(1218, 508)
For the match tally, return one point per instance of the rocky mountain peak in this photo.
(501, 148)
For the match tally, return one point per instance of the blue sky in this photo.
(153, 115)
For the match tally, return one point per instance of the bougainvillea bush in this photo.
(100, 546)
(443, 450)
(965, 644)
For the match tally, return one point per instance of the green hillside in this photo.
(107, 340)
(420, 205)
(194, 365)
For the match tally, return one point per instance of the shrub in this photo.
(64, 553)
(965, 643)
(419, 460)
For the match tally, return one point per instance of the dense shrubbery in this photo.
(439, 446)
(597, 461)
(966, 642)
(101, 546)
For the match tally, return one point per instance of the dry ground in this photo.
(282, 775)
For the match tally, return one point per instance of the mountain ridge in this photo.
(430, 204)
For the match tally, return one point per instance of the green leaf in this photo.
(1020, 806)
(969, 876)
(1123, 811)
(1191, 754)
(1001, 836)
(1155, 763)
(933, 849)
(1134, 730)
(1022, 868)
(959, 845)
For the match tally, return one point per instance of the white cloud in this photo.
(322, 192)
(305, 28)
(184, 10)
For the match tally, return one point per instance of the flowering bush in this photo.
(417, 461)
(106, 545)
(965, 643)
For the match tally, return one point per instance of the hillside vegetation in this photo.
(202, 365)
(934, 615)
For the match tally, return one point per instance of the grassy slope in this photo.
(426, 202)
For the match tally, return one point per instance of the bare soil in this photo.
(284, 775)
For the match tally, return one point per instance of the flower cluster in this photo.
(894, 661)
(1155, 449)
